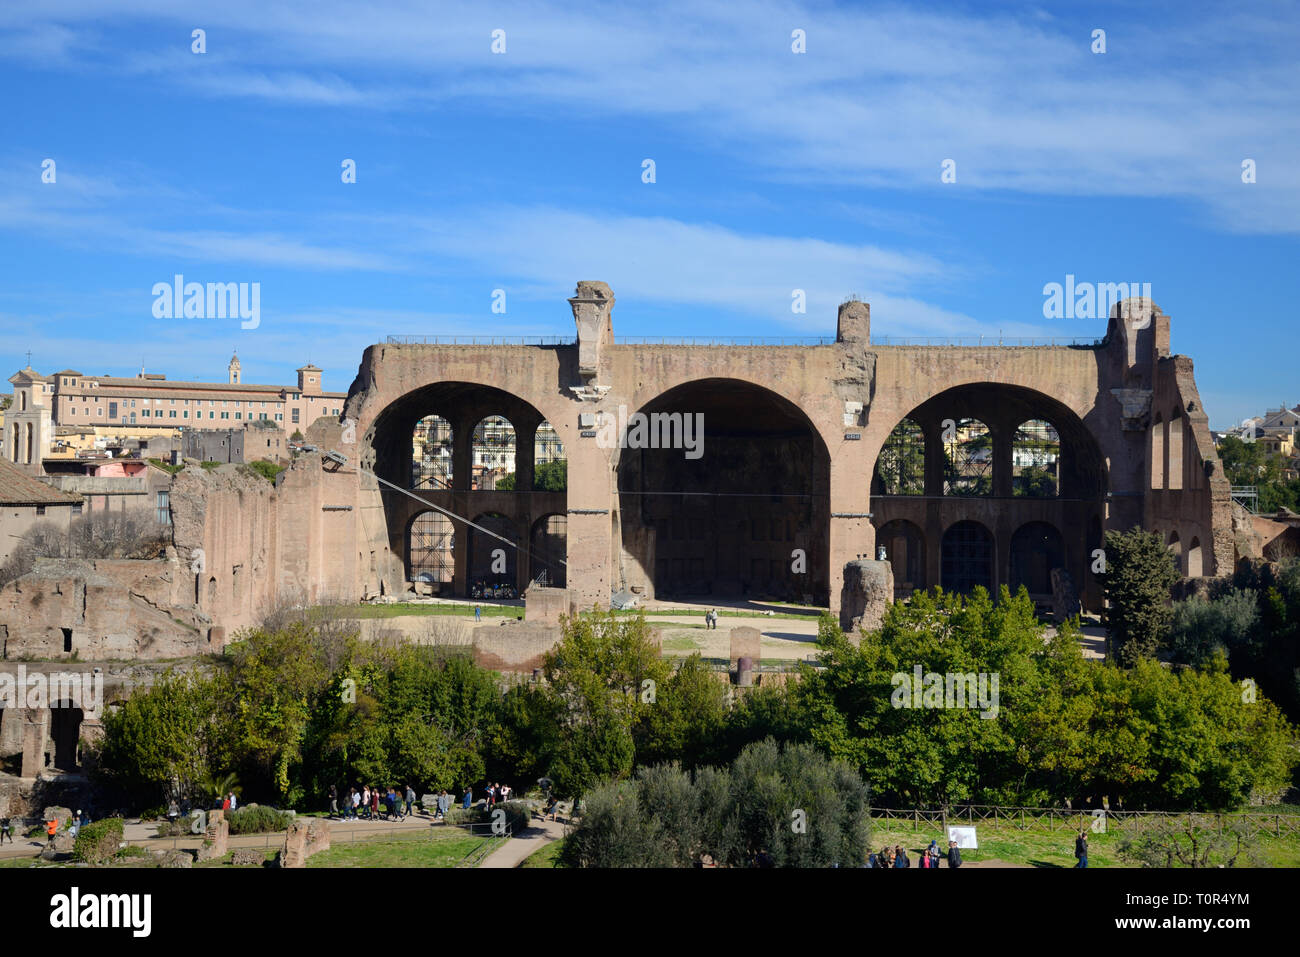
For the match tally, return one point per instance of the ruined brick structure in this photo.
(792, 437)
(786, 490)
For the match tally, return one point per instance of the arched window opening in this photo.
(968, 458)
(1035, 460)
(431, 453)
(493, 447)
(550, 470)
(900, 468)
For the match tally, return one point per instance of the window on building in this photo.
(295, 416)
(225, 415)
(164, 508)
(40, 509)
(171, 414)
(76, 510)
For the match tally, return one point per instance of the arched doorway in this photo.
(740, 508)
(967, 557)
(492, 561)
(1036, 548)
(549, 546)
(431, 556)
(65, 731)
(905, 550)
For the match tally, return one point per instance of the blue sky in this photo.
(523, 171)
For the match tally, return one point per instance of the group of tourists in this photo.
(897, 857)
(392, 804)
(711, 618)
(372, 803)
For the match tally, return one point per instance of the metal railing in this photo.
(724, 340)
(478, 341)
(987, 341)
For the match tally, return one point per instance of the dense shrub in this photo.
(99, 841)
(778, 806)
(258, 820)
(1200, 629)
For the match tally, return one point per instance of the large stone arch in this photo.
(388, 445)
(744, 515)
(1082, 479)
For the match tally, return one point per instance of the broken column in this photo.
(868, 592)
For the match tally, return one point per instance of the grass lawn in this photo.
(546, 857)
(1037, 848)
(440, 850)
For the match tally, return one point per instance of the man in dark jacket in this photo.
(1081, 850)
(954, 854)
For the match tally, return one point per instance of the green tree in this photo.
(604, 674)
(167, 740)
(547, 477)
(687, 719)
(277, 675)
(1139, 574)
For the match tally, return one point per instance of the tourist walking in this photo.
(374, 803)
(365, 801)
(954, 854)
(444, 804)
(478, 614)
(410, 800)
(932, 853)
(900, 857)
(6, 830)
(356, 803)
(334, 801)
(1081, 850)
(469, 798)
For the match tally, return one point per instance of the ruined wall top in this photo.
(593, 308)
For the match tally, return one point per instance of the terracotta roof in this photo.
(68, 372)
(18, 488)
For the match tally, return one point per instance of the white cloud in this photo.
(880, 98)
